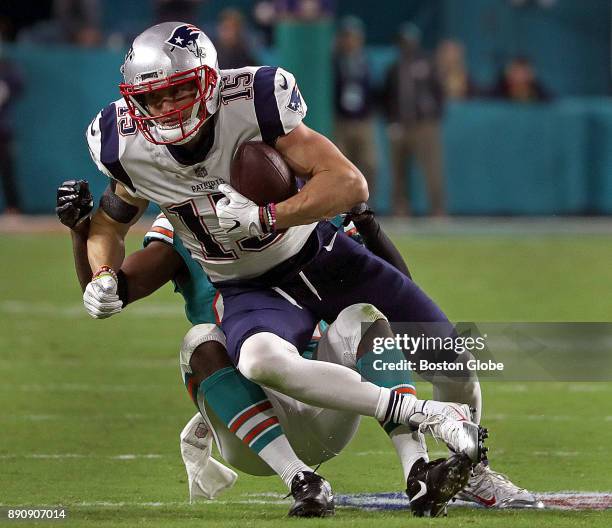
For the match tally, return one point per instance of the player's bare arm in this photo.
(106, 250)
(78, 235)
(142, 273)
(148, 269)
(334, 184)
(109, 226)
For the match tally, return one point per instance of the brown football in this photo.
(261, 174)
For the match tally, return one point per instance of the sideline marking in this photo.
(566, 500)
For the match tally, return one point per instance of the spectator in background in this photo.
(81, 20)
(452, 71)
(176, 10)
(519, 83)
(414, 102)
(14, 16)
(11, 84)
(232, 41)
(353, 99)
(265, 16)
(74, 22)
(306, 10)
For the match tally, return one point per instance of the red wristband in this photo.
(267, 218)
(104, 269)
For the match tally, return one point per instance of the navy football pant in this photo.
(341, 274)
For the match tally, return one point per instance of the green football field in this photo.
(91, 410)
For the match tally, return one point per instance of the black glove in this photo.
(374, 237)
(361, 214)
(74, 202)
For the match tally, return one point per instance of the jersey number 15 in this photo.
(211, 247)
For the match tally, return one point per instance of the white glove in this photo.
(240, 217)
(100, 297)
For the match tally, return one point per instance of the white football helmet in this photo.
(168, 55)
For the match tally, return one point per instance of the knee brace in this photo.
(197, 335)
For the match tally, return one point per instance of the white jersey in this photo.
(257, 103)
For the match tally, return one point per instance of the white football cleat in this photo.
(491, 489)
(450, 422)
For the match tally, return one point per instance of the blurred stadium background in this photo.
(90, 411)
(500, 157)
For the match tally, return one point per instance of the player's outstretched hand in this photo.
(74, 202)
(100, 297)
(240, 217)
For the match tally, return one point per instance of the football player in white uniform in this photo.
(170, 140)
(149, 269)
(249, 425)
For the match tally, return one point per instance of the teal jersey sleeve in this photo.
(199, 294)
(349, 230)
(337, 221)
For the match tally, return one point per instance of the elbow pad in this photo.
(119, 210)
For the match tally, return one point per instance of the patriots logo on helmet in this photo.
(295, 102)
(186, 37)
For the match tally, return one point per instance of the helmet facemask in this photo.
(180, 124)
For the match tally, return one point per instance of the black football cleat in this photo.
(431, 485)
(313, 496)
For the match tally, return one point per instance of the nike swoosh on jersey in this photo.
(284, 85)
(329, 246)
(235, 226)
(421, 492)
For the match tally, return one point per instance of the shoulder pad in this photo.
(107, 136)
(278, 103)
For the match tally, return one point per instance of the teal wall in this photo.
(298, 59)
(507, 159)
(569, 43)
(64, 90)
(501, 158)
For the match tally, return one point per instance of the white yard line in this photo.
(71, 418)
(92, 363)
(70, 311)
(61, 456)
(480, 225)
(80, 387)
(593, 387)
